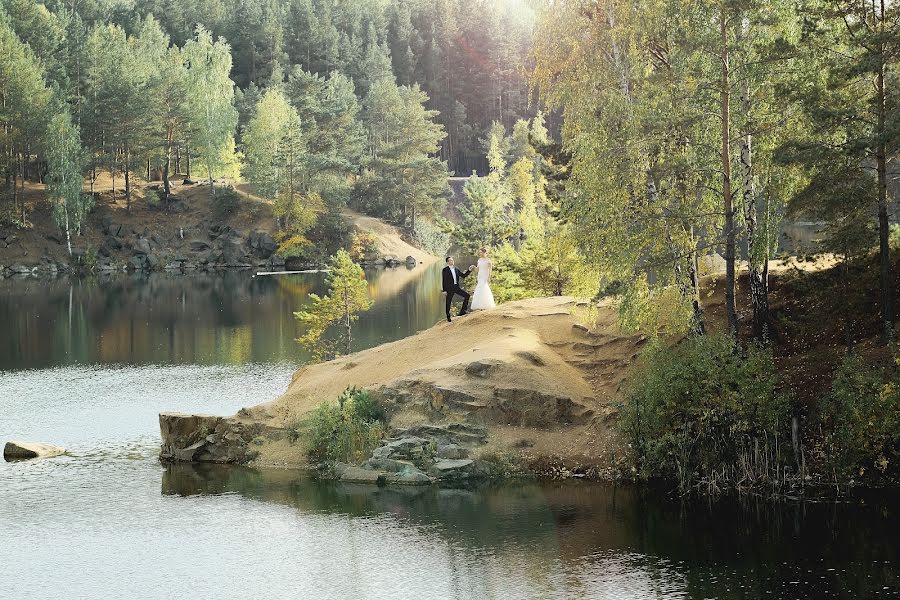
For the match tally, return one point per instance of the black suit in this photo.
(454, 288)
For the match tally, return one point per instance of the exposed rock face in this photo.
(14, 450)
(208, 438)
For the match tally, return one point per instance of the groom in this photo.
(451, 278)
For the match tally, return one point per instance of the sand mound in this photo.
(530, 371)
(389, 240)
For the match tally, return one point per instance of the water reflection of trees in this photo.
(593, 539)
(206, 318)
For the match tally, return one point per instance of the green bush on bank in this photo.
(862, 414)
(706, 415)
(346, 431)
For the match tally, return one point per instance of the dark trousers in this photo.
(458, 292)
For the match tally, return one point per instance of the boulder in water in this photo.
(14, 450)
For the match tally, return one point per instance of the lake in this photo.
(88, 364)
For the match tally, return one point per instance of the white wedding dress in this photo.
(482, 298)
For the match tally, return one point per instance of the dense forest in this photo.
(317, 103)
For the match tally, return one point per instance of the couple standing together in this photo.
(452, 278)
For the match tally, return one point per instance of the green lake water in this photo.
(88, 364)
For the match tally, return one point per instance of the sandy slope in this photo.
(390, 242)
(529, 370)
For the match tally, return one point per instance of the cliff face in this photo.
(531, 375)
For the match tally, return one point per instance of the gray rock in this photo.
(14, 450)
(112, 243)
(449, 464)
(388, 464)
(142, 246)
(153, 261)
(103, 250)
(198, 245)
(234, 253)
(136, 263)
(19, 268)
(360, 475)
(411, 260)
(411, 476)
(382, 452)
(482, 368)
(452, 451)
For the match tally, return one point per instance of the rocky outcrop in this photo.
(15, 450)
(527, 383)
(208, 438)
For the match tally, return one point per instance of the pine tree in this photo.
(348, 295)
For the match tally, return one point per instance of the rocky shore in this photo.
(528, 388)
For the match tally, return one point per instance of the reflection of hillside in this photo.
(202, 318)
(226, 317)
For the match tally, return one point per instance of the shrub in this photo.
(433, 237)
(347, 431)
(894, 236)
(862, 416)
(226, 202)
(294, 246)
(702, 413)
(362, 243)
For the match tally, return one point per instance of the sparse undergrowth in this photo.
(345, 431)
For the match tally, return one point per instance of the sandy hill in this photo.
(531, 372)
(388, 238)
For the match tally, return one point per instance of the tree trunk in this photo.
(693, 272)
(68, 234)
(884, 250)
(187, 158)
(757, 245)
(730, 309)
(166, 186)
(347, 322)
(127, 158)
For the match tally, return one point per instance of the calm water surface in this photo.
(88, 365)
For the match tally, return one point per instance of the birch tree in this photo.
(65, 159)
(210, 98)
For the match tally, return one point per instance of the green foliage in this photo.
(862, 415)
(486, 218)
(346, 431)
(226, 202)
(704, 414)
(294, 246)
(348, 295)
(554, 266)
(362, 244)
(433, 236)
(402, 178)
(64, 161)
(504, 465)
(210, 98)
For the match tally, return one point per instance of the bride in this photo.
(483, 299)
